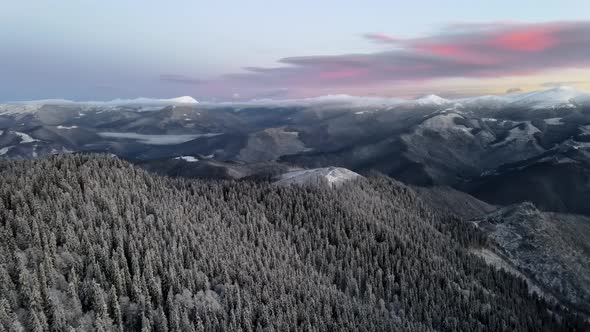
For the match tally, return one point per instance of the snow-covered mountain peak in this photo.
(432, 100)
(184, 100)
(333, 176)
(145, 101)
(140, 103)
(114, 102)
(559, 96)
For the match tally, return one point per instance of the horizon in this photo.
(187, 98)
(109, 50)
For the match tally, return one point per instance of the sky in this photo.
(240, 50)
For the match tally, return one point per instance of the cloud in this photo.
(528, 39)
(382, 38)
(457, 51)
(180, 79)
(513, 90)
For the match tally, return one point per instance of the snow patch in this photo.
(144, 104)
(432, 100)
(5, 150)
(490, 101)
(519, 134)
(561, 96)
(444, 124)
(334, 176)
(136, 101)
(553, 121)
(25, 138)
(66, 127)
(442, 121)
(585, 130)
(577, 145)
(181, 100)
(188, 159)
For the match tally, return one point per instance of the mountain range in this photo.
(479, 158)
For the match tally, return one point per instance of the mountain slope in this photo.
(563, 96)
(551, 248)
(92, 242)
(455, 201)
(333, 176)
(552, 186)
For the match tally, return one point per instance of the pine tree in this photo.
(241, 256)
(115, 310)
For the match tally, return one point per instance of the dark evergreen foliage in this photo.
(93, 243)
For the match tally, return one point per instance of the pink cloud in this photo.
(466, 54)
(533, 39)
(466, 51)
(443, 50)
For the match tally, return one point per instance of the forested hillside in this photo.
(94, 243)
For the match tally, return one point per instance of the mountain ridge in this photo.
(558, 96)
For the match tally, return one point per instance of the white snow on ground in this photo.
(585, 130)
(445, 124)
(294, 133)
(583, 145)
(144, 104)
(188, 159)
(157, 139)
(66, 127)
(551, 98)
(553, 121)
(489, 119)
(4, 150)
(180, 100)
(136, 101)
(432, 100)
(518, 135)
(561, 96)
(442, 121)
(484, 101)
(334, 176)
(25, 138)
